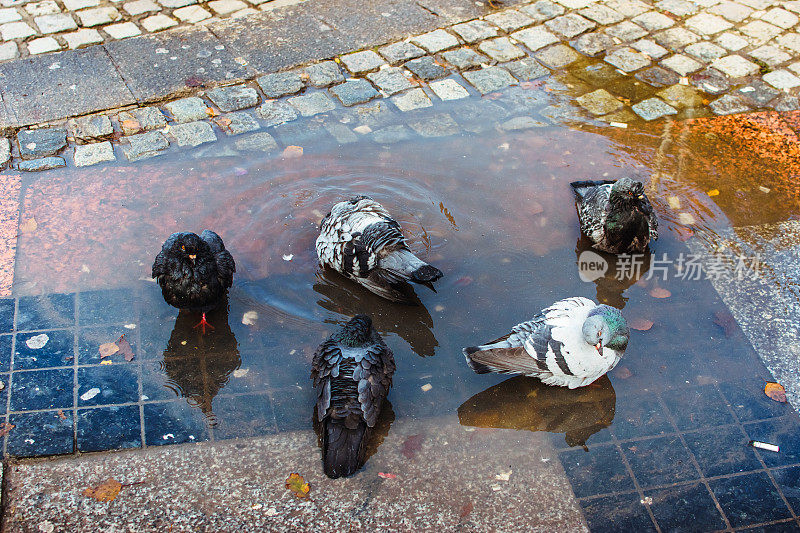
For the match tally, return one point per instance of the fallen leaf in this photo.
(131, 126)
(412, 445)
(386, 475)
(61, 415)
(713, 192)
(89, 394)
(775, 391)
(223, 122)
(105, 491)
(465, 509)
(37, 341)
(298, 485)
(726, 321)
(463, 281)
(622, 372)
(211, 112)
(658, 292)
(292, 151)
(106, 362)
(125, 348)
(641, 324)
(107, 349)
(5, 428)
(305, 76)
(28, 226)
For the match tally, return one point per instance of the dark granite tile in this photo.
(248, 415)
(721, 451)
(106, 307)
(172, 423)
(46, 312)
(785, 432)
(108, 428)
(750, 403)
(639, 416)
(151, 306)
(685, 508)
(154, 336)
(660, 461)
(45, 433)
(6, 342)
(291, 414)
(749, 499)
(58, 351)
(118, 383)
(42, 389)
(90, 339)
(613, 514)
(6, 315)
(697, 407)
(598, 471)
(4, 378)
(788, 480)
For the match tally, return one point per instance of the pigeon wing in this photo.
(374, 376)
(593, 209)
(324, 367)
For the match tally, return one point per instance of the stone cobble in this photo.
(693, 57)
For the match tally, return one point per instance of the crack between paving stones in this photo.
(429, 10)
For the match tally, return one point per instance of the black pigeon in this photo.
(360, 240)
(194, 272)
(352, 373)
(615, 215)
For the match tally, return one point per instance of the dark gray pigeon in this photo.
(352, 374)
(570, 344)
(360, 240)
(615, 215)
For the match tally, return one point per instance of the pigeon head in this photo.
(187, 246)
(605, 327)
(627, 191)
(357, 332)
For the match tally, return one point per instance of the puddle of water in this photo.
(492, 210)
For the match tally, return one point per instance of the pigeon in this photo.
(615, 215)
(352, 373)
(194, 272)
(360, 240)
(570, 344)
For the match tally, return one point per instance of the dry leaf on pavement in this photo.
(107, 349)
(105, 491)
(298, 485)
(124, 348)
(775, 391)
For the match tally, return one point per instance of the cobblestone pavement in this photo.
(621, 61)
(30, 28)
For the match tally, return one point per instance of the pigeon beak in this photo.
(599, 347)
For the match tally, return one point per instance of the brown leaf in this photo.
(412, 445)
(725, 320)
(622, 372)
(107, 349)
(223, 122)
(298, 485)
(105, 491)
(131, 126)
(658, 292)
(641, 324)
(211, 112)
(61, 415)
(775, 391)
(28, 226)
(124, 348)
(292, 151)
(5, 428)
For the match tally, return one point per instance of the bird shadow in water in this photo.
(620, 273)
(525, 403)
(198, 366)
(381, 430)
(346, 298)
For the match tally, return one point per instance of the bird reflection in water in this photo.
(525, 403)
(621, 271)
(198, 366)
(411, 322)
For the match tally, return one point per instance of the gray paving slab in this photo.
(52, 87)
(173, 63)
(239, 485)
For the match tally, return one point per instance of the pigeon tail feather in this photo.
(580, 188)
(343, 449)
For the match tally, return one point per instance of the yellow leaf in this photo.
(775, 391)
(292, 151)
(658, 292)
(28, 226)
(106, 362)
(713, 192)
(298, 485)
(105, 491)
(212, 112)
(107, 349)
(223, 122)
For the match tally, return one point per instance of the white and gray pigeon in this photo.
(615, 215)
(570, 344)
(352, 373)
(360, 240)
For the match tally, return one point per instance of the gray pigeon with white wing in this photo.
(360, 240)
(570, 344)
